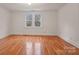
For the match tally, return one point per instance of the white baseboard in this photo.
(3, 36)
(49, 34)
(36, 34)
(76, 44)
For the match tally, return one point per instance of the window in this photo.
(33, 20)
(37, 20)
(29, 20)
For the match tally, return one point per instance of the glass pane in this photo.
(29, 17)
(37, 23)
(37, 17)
(29, 23)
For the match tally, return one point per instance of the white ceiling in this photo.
(33, 6)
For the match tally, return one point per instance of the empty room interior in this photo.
(39, 29)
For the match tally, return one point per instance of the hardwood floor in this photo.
(36, 45)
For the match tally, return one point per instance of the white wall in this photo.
(49, 24)
(68, 22)
(4, 22)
